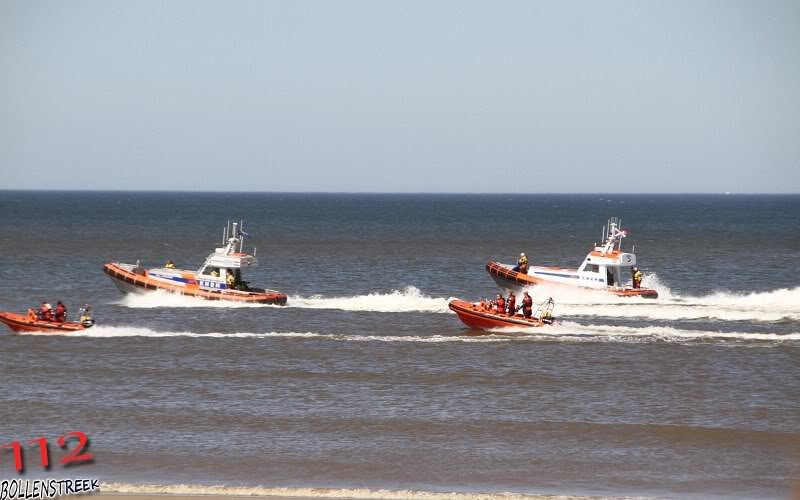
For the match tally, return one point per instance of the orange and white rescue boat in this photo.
(31, 323)
(602, 269)
(220, 277)
(484, 315)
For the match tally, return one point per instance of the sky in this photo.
(411, 96)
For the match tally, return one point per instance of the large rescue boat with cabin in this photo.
(602, 269)
(219, 278)
(484, 315)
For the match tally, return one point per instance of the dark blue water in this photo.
(366, 380)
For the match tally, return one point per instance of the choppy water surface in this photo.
(366, 380)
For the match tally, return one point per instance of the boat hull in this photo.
(19, 323)
(480, 317)
(129, 282)
(509, 279)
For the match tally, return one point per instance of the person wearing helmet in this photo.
(522, 264)
(636, 276)
(46, 311)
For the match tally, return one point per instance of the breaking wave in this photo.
(256, 491)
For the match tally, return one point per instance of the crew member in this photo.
(230, 280)
(511, 303)
(522, 263)
(215, 273)
(527, 305)
(46, 311)
(637, 277)
(61, 312)
(170, 264)
(500, 304)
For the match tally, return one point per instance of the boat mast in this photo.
(241, 235)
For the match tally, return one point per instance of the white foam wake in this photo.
(131, 331)
(410, 299)
(565, 330)
(354, 493)
(159, 298)
(568, 330)
(680, 312)
(772, 306)
(776, 305)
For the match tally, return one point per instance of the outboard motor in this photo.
(86, 318)
(546, 311)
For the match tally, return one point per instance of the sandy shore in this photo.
(374, 495)
(128, 491)
(170, 496)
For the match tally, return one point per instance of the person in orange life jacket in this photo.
(527, 305)
(636, 277)
(511, 303)
(61, 312)
(500, 304)
(46, 312)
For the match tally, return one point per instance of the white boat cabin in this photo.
(213, 274)
(605, 266)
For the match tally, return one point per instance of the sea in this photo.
(366, 385)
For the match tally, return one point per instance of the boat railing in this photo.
(545, 310)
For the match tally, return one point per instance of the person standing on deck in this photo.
(500, 304)
(511, 303)
(522, 264)
(527, 305)
(637, 277)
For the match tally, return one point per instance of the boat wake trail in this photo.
(410, 299)
(764, 307)
(781, 305)
(130, 331)
(561, 332)
(571, 331)
(155, 299)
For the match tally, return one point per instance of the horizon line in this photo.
(720, 193)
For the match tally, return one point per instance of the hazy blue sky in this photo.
(401, 96)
